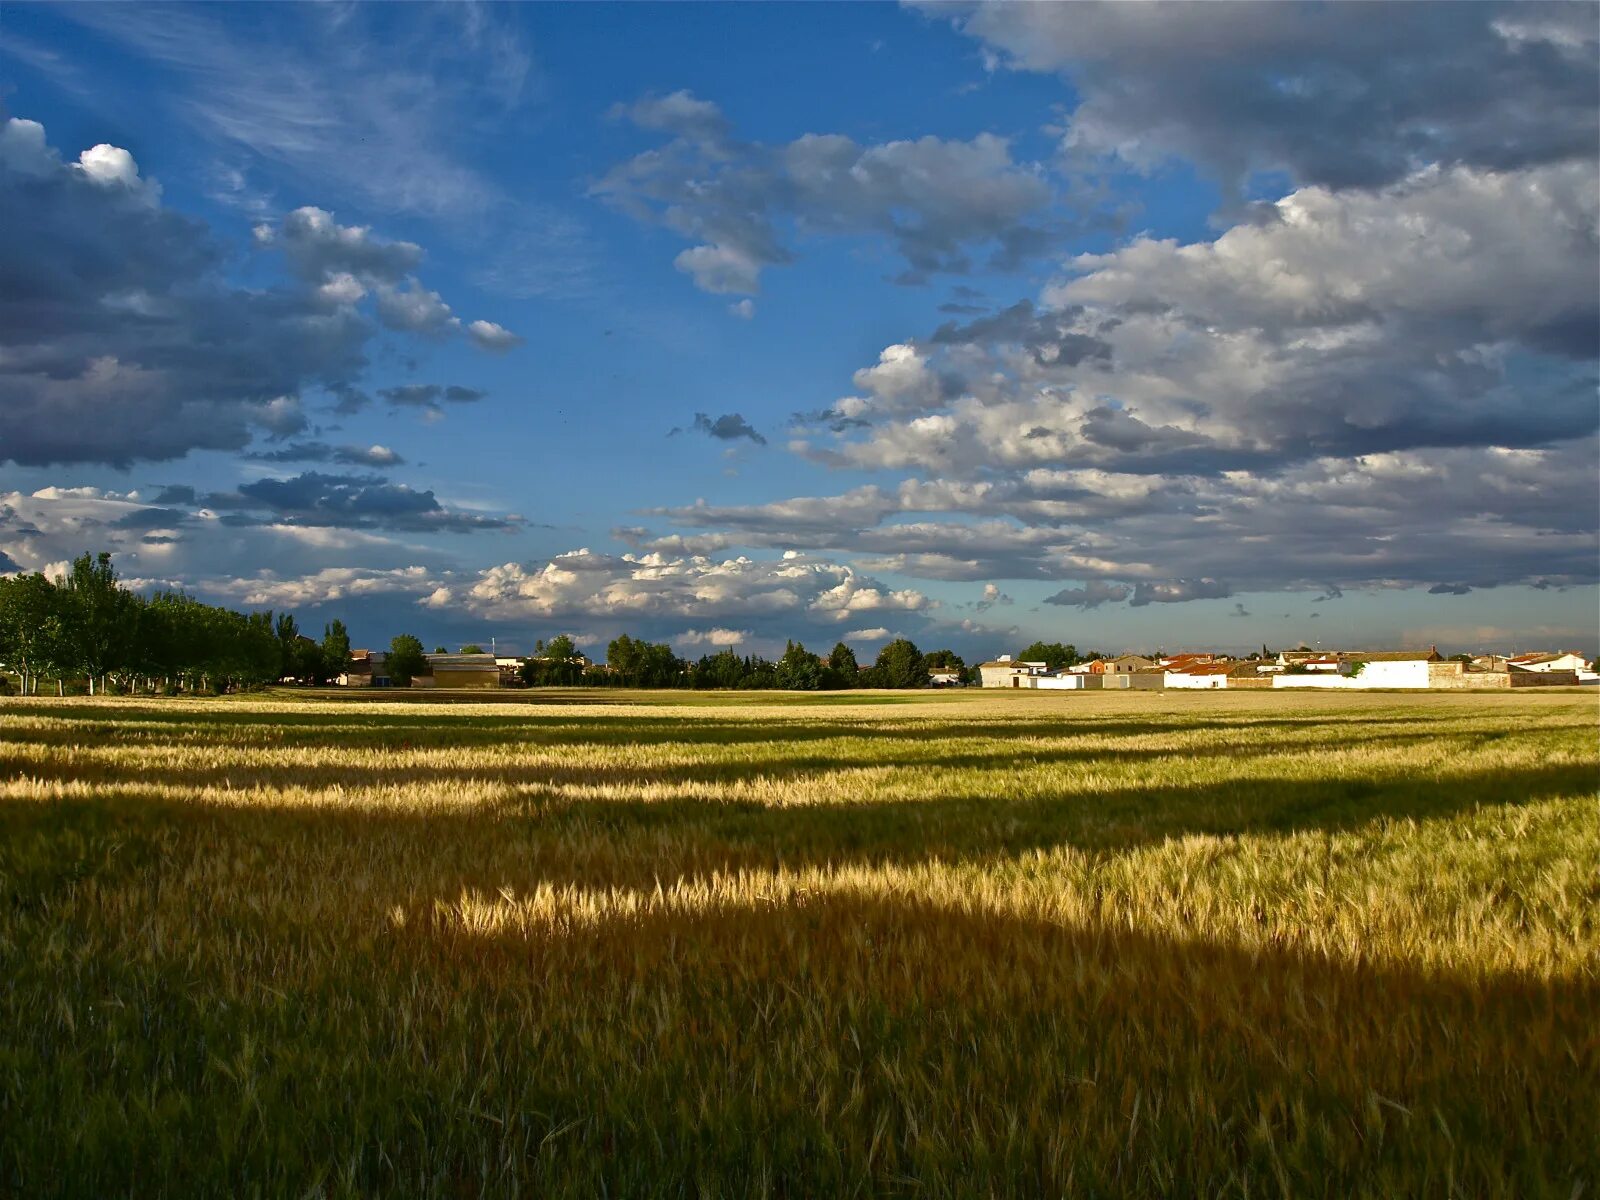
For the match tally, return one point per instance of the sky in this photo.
(1131, 326)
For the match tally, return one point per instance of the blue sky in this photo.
(1129, 326)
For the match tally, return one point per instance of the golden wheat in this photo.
(971, 945)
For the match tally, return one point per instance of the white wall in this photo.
(1175, 679)
(1412, 673)
(1056, 683)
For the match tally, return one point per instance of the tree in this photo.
(900, 665)
(560, 649)
(287, 630)
(335, 648)
(947, 660)
(1054, 655)
(33, 639)
(472, 648)
(799, 669)
(439, 650)
(406, 660)
(100, 617)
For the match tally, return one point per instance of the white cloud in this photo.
(490, 336)
(712, 637)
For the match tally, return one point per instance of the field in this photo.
(980, 944)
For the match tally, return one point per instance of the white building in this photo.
(1381, 669)
(1007, 672)
(1569, 660)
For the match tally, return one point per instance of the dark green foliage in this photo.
(843, 660)
(900, 665)
(88, 627)
(1054, 655)
(638, 663)
(799, 670)
(335, 648)
(406, 660)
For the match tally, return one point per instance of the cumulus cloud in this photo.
(680, 113)
(1178, 591)
(680, 596)
(122, 337)
(347, 455)
(1454, 308)
(490, 336)
(1322, 92)
(729, 427)
(945, 205)
(352, 501)
(720, 638)
(992, 596)
(1091, 595)
(1384, 520)
(430, 397)
(1447, 589)
(169, 540)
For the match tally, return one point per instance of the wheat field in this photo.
(674, 944)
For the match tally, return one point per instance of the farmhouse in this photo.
(1569, 660)
(1006, 671)
(1198, 675)
(366, 668)
(460, 671)
(1361, 669)
(1127, 664)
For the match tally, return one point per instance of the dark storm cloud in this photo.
(151, 518)
(1332, 94)
(121, 338)
(349, 501)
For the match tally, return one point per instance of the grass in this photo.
(657, 944)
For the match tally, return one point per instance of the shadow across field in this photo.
(525, 838)
(80, 723)
(797, 1046)
(206, 997)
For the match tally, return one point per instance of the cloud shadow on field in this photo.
(808, 1037)
(815, 1039)
(531, 834)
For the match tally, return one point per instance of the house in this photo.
(1006, 671)
(366, 668)
(1181, 662)
(1127, 664)
(1197, 675)
(944, 676)
(1364, 669)
(1255, 674)
(1569, 660)
(460, 671)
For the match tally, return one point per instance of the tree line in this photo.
(87, 626)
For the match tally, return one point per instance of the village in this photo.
(1305, 669)
(1326, 669)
